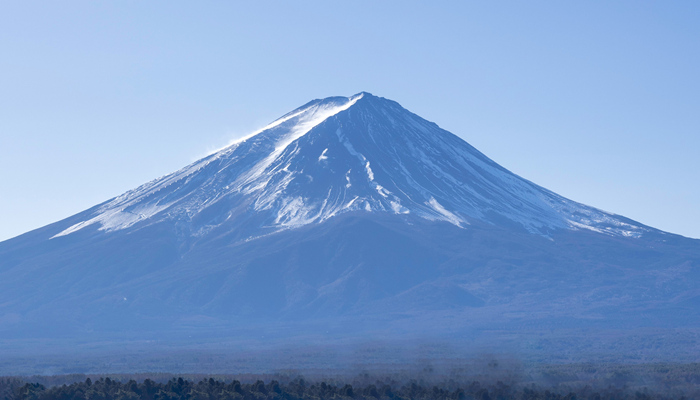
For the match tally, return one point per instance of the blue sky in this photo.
(597, 101)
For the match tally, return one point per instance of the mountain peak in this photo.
(331, 157)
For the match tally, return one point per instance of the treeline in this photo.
(298, 389)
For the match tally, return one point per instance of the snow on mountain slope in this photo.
(338, 155)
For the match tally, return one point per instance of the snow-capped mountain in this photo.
(338, 155)
(355, 217)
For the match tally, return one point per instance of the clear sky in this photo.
(597, 101)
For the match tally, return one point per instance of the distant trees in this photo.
(9, 388)
(210, 389)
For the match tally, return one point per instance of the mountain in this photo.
(354, 217)
(340, 155)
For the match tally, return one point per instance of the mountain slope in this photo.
(344, 212)
(339, 155)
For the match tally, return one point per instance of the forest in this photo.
(106, 388)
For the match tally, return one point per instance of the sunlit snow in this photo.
(384, 160)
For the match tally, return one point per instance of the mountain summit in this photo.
(338, 155)
(348, 212)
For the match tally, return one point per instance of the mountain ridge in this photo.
(265, 178)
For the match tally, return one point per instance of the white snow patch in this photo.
(448, 216)
(382, 191)
(584, 226)
(350, 202)
(115, 219)
(271, 125)
(323, 155)
(398, 208)
(293, 213)
(307, 120)
(370, 174)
